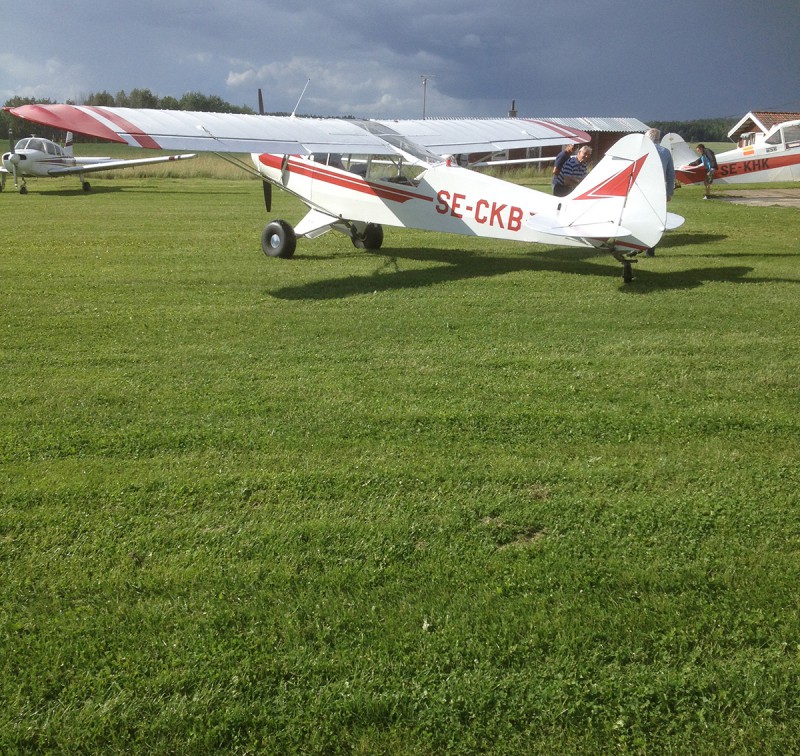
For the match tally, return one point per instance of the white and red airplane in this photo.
(406, 175)
(774, 156)
(42, 158)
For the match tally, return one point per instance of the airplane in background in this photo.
(357, 175)
(759, 158)
(42, 158)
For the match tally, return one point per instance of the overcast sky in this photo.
(666, 60)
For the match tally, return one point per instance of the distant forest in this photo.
(703, 130)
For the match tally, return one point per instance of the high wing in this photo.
(288, 135)
(464, 135)
(110, 165)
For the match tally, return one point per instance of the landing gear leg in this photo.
(627, 273)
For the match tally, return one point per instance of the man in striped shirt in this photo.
(573, 172)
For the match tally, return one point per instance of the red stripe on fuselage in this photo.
(746, 167)
(352, 182)
(144, 140)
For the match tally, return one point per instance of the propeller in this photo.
(12, 154)
(260, 102)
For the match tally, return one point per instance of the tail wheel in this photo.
(370, 238)
(278, 239)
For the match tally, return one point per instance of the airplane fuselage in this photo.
(754, 163)
(444, 198)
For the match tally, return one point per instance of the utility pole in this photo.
(425, 78)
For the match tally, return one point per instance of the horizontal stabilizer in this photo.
(674, 221)
(597, 230)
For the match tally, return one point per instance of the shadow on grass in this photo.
(456, 265)
(98, 189)
(672, 239)
(76, 191)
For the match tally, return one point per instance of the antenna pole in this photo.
(294, 112)
(425, 78)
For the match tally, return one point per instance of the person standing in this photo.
(667, 164)
(561, 158)
(709, 162)
(573, 172)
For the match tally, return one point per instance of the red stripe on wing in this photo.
(67, 118)
(144, 140)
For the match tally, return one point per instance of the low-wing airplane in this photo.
(774, 156)
(406, 175)
(42, 158)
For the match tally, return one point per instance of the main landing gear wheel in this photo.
(278, 239)
(371, 238)
(86, 186)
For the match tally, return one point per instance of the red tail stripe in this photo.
(616, 185)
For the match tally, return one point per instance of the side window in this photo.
(791, 134)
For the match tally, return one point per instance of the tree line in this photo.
(702, 130)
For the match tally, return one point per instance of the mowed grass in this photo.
(456, 496)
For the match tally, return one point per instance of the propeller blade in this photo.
(260, 102)
(267, 195)
(11, 140)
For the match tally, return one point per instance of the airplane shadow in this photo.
(77, 191)
(457, 264)
(672, 239)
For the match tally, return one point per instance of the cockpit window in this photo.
(36, 144)
(774, 139)
(791, 134)
(21, 144)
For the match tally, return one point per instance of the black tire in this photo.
(278, 239)
(86, 186)
(371, 239)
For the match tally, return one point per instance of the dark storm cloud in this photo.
(684, 59)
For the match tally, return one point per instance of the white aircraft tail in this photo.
(621, 205)
(682, 153)
(68, 144)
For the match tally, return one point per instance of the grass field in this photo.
(457, 496)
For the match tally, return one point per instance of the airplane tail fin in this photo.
(682, 153)
(68, 144)
(621, 205)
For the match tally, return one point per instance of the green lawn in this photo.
(457, 496)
